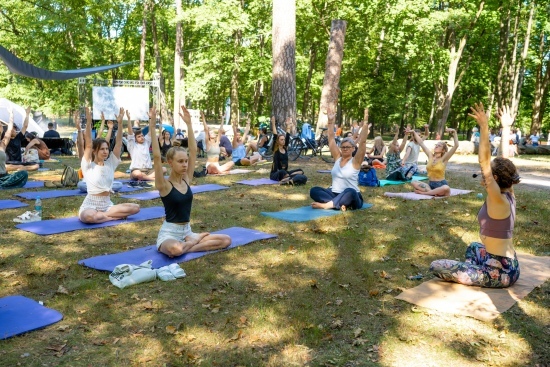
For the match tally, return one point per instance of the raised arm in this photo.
(7, 136)
(192, 143)
(452, 151)
(88, 137)
(118, 142)
(206, 133)
(246, 130)
(273, 125)
(31, 144)
(26, 122)
(403, 142)
(160, 182)
(129, 123)
(101, 126)
(110, 126)
(334, 150)
(362, 143)
(422, 145)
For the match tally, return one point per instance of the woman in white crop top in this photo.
(344, 192)
(98, 168)
(213, 166)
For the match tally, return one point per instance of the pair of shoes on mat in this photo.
(53, 184)
(170, 272)
(28, 217)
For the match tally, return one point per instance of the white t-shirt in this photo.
(413, 156)
(141, 158)
(99, 178)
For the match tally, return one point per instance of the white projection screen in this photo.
(109, 100)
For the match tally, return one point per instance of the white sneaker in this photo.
(28, 217)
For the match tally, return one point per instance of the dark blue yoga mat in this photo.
(55, 226)
(11, 204)
(33, 184)
(239, 237)
(258, 182)
(150, 195)
(20, 314)
(52, 194)
(306, 213)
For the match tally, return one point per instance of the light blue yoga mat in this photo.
(52, 194)
(258, 182)
(306, 213)
(150, 195)
(388, 182)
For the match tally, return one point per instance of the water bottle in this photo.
(38, 206)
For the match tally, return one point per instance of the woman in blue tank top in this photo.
(175, 236)
(344, 192)
(492, 262)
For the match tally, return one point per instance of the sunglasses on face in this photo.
(346, 147)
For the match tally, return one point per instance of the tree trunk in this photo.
(307, 90)
(502, 56)
(283, 86)
(179, 91)
(158, 65)
(143, 45)
(541, 88)
(235, 80)
(333, 66)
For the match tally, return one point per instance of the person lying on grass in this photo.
(492, 262)
(98, 168)
(437, 164)
(175, 236)
(344, 192)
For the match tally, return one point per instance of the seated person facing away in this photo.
(141, 167)
(279, 167)
(375, 156)
(51, 133)
(412, 150)
(492, 262)
(213, 150)
(18, 178)
(175, 236)
(35, 143)
(13, 149)
(98, 167)
(239, 151)
(226, 148)
(437, 164)
(344, 192)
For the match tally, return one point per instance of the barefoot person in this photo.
(239, 156)
(175, 236)
(279, 167)
(213, 151)
(437, 164)
(18, 178)
(344, 192)
(98, 167)
(492, 262)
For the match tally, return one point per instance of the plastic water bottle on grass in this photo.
(38, 206)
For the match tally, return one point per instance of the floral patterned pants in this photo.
(480, 268)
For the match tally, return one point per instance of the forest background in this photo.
(409, 61)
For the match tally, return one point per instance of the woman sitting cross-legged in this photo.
(393, 157)
(279, 167)
(18, 178)
(175, 236)
(437, 164)
(98, 168)
(493, 262)
(239, 156)
(213, 151)
(344, 192)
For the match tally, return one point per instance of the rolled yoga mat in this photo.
(55, 226)
(239, 237)
(11, 204)
(306, 213)
(20, 314)
(150, 195)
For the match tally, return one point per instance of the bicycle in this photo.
(268, 153)
(299, 144)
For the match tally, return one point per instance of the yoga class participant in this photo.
(14, 160)
(141, 168)
(279, 167)
(239, 156)
(412, 150)
(213, 150)
(393, 157)
(376, 155)
(35, 143)
(437, 164)
(18, 178)
(344, 192)
(175, 236)
(492, 262)
(165, 143)
(98, 168)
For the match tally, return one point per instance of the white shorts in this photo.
(173, 231)
(96, 202)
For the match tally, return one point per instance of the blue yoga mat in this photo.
(20, 314)
(52, 194)
(33, 184)
(258, 182)
(55, 226)
(306, 213)
(11, 204)
(388, 182)
(150, 195)
(239, 237)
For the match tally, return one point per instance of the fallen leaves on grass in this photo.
(236, 337)
(337, 324)
(62, 290)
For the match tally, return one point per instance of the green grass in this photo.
(312, 297)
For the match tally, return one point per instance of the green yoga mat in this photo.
(388, 182)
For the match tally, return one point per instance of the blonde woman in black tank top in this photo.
(176, 238)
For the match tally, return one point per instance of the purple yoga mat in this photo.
(33, 184)
(258, 182)
(150, 195)
(55, 226)
(52, 194)
(239, 237)
(11, 204)
(20, 314)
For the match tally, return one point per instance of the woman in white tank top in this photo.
(344, 193)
